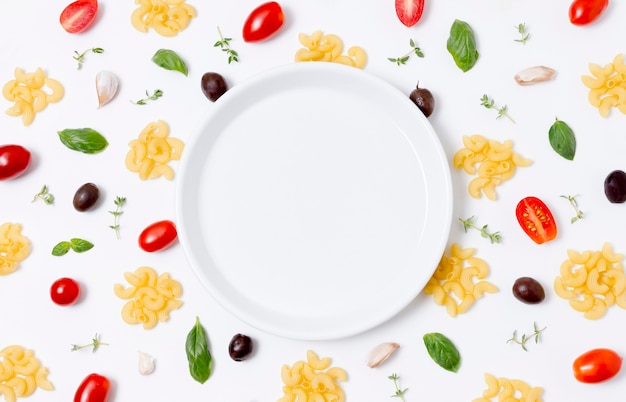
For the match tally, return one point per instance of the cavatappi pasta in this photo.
(607, 85)
(150, 154)
(509, 390)
(312, 380)
(459, 280)
(592, 281)
(151, 297)
(491, 161)
(14, 247)
(28, 93)
(21, 373)
(166, 17)
(329, 48)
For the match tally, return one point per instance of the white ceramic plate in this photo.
(315, 202)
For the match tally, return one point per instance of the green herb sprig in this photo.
(155, 95)
(524, 36)
(119, 202)
(574, 204)
(461, 45)
(224, 44)
(490, 104)
(469, 224)
(80, 57)
(94, 345)
(404, 58)
(44, 195)
(399, 392)
(75, 244)
(525, 338)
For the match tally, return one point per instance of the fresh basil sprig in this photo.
(169, 60)
(75, 244)
(85, 140)
(562, 139)
(442, 351)
(462, 45)
(198, 354)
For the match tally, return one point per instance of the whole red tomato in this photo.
(597, 365)
(158, 236)
(14, 160)
(583, 12)
(536, 219)
(79, 15)
(94, 388)
(263, 22)
(64, 291)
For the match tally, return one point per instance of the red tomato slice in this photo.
(14, 160)
(409, 11)
(94, 388)
(79, 15)
(536, 219)
(158, 236)
(583, 12)
(597, 365)
(263, 22)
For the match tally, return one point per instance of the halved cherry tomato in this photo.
(158, 236)
(583, 12)
(64, 291)
(14, 160)
(263, 22)
(536, 219)
(94, 388)
(597, 365)
(409, 12)
(79, 15)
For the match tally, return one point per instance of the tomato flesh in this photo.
(94, 388)
(14, 160)
(64, 291)
(263, 22)
(409, 12)
(583, 12)
(158, 236)
(536, 220)
(79, 15)
(597, 365)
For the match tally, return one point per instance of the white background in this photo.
(31, 37)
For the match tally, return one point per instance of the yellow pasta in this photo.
(307, 380)
(151, 297)
(607, 85)
(166, 17)
(21, 373)
(503, 389)
(491, 161)
(14, 247)
(150, 154)
(27, 94)
(458, 280)
(592, 281)
(328, 48)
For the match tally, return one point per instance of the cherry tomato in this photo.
(14, 160)
(536, 219)
(263, 22)
(583, 12)
(64, 291)
(597, 365)
(79, 15)
(94, 388)
(409, 12)
(158, 236)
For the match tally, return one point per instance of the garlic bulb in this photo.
(380, 353)
(106, 87)
(146, 363)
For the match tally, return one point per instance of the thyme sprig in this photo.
(80, 57)
(95, 344)
(469, 224)
(155, 95)
(524, 36)
(404, 58)
(574, 204)
(525, 338)
(224, 44)
(44, 195)
(399, 392)
(490, 104)
(119, 202)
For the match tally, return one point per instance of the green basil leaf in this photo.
(198, 354)
(61, 248)
(462, 45)
(562, 139)
(442, 351)
(80, 245)
(85, 140)
(169, 60)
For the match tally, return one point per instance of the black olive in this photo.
(615, 187)
(424, 100)
(213, 86)
(240, 347)
(86, 197)
(528, 290)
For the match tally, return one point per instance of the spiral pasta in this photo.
(27, 93)
(607, 85)
(329, 48)
(14, 247)
(151, 298)
(509, 390)
(21, 373)
(166, 17)
(150, 154)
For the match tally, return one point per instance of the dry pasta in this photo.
(592, 281)
(14, 247)
(21, 373)
(27, 93)
(607, 85)
(509, 390)
(151, 297)
(312, 380)
(491, 161)
(166, 17)
(329, 48)
(459, 280)
(150, 154)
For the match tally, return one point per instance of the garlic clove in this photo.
(146, 363)
(106, 87)
(381, 353)
(533, 75)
